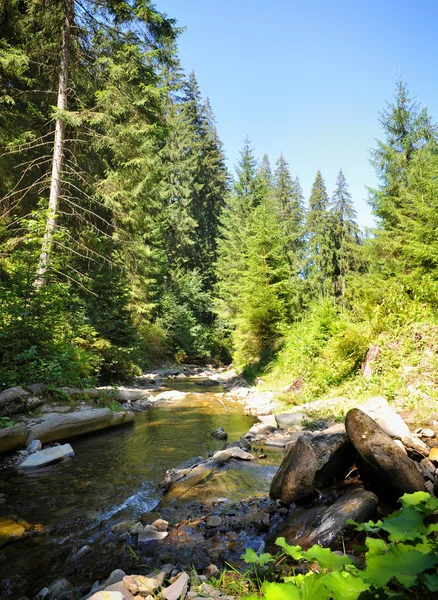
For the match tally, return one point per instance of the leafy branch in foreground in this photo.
(401, 563)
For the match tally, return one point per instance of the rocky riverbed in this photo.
(275, 478)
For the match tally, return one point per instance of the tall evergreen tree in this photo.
(407, 128)
(290, 201)
(346, 233)
(320, 266)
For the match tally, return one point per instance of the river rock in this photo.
(286, 420)
(55, 427)
(61, 589)
(151, 535)
(223, 456)
(170, 395)
(34, 446)
(121, 588)
(47, 456)
(12, 437)
(379, 410)
(178, 589)
(433, 454)
(312, 462)
(12, 528)
(381, 462)
(415, 447)
(220, 434)
(160, 525)
(11, 400)
(322, 524)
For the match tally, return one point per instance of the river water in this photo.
(113, 477)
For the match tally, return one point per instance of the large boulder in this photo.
(11, 400)
(322, 524)
(384, 467)
(379, 410)
(286, 420)
(46, 457)
(55, 427)
(312, 462)
(13, 437)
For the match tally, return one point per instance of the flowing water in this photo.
(113, 477)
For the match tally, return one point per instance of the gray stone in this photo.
(223, 456)
(220, 434)
(322, 524)
(383, 465)
(140, 584)
(138, 527)
(37, 388)
(427, 433)
(150, 535)
(415, 447)
(34, 446)
(286, 420)
(178, 589)
(211, 571)
(214, 521)
(47, 456)
(55, 426)
(379, 410)
(312, 462)
(11, 398)
(12, 437)
(82, 553)
(59, 589)
(121, 588)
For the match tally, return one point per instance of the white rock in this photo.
(224, 455)
(171, 395)
(47, 456)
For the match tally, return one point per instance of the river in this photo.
(113, 477)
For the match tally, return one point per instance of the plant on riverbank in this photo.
(6, 422)
(400, 563)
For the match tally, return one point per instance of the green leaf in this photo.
(344, 585)
(421, 501)
(400, 562)
(281, 591)
(405, 524)
(250, 556)
(294, 551)
(431, 582)
(313, 587)
(371, 527)
(326, 558)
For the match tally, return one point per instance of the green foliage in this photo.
(402, 563)
(6, 422)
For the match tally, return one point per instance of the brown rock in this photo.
(383, 465)
(314, 461)
(13, 437)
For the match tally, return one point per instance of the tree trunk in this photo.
(58, 147)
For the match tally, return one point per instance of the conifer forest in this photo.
(129, 244)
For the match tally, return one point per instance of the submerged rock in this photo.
(12, 528)
(383, 465)
(322, 524)
(224, 456)
(313, 461)
(171, 395)
(220, 434)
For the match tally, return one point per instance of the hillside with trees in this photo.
(125, 241)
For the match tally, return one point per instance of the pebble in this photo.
(428, 433)
(214, 521)
(160, 525)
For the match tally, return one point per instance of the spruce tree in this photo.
(346, 233)
(320, 267)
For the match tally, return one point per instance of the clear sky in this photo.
(308, 78)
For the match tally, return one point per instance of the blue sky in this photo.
(308, 78)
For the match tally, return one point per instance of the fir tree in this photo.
(320, 267)
(346, 233)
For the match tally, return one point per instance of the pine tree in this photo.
(290, 201)
(407, 129)
(233, 239)
(346, 233)
(320, 267)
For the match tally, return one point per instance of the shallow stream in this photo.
(113, 477)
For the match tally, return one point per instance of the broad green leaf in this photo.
(400, 562)
(294, 551)
(375, 546)
(265, 558)
(431, 582)
(313, 587)
(344, 585)
(404, 525)
(281, 591)
(250, 556)
(422, 501)
(371, 526)
(326, 558)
